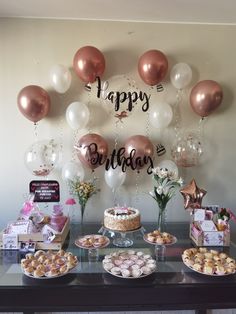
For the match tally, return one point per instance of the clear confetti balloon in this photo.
(187, 150)
(42, 157)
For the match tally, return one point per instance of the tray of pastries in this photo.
(49, 264)
(92, 241)
(159, 238)
(209, 262)
(129, 264)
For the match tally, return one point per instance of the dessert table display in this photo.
(166, 283)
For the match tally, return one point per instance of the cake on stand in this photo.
(121, 238)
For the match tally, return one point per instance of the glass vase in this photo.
(161, 221)
(76, 214)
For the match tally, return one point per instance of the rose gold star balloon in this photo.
(192, 195)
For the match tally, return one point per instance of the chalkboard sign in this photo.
(45, 191)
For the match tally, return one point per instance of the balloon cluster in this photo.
(89, 64)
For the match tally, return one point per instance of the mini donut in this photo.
(220, 270)
(207, 269)
(34, 263)
(42, 258)
(223, 255)
(135, 266)
(197, 267)
(125, 273)
(136, 273)
(125, 266)
(29, 256)
(61, 252)
(108, 266)
(151, 238)
(159, 240)
(139, 254)
(117, 262)
(63, 269)
(38, 253)
(25, 262)
(115, 270)
(146, 270)
(29, 270)
(38, 273)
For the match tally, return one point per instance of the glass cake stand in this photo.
(120, 237)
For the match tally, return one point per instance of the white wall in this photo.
(29, 48)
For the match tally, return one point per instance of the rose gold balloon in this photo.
(89, 63)
(205, 97)
(192, 195)
(92, 150)
(140, 146)
(152, 67)
(33, 102)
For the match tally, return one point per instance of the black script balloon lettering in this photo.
(118, 158)
(93, 155)
(117, 98)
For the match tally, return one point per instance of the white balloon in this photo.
(180, 75)
(115, 177)
(170, 165)
(42, 157)
(71, 170)
(160, 115)
(77, 115)
(60, 78)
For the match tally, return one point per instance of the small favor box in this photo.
(205, 233)
(38, 238)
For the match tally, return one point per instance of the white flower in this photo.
(159, 190)
(155, 170)
(151, 193)
(166, 190)
(172, 175)
(163, 173)
(180, 181)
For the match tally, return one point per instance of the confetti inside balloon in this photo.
(187, 150)
(42, 157)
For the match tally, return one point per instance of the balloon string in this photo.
(177, 114)
(114, 191)
(201, 126)
(75, 133)
(137, 179)
(116, 135)
(148, 124)
(60, 128)
(89, 90)
(36, 131)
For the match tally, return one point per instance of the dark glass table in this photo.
(89, 288)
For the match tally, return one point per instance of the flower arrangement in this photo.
(222, 219)
(83, 190)
(166, 184)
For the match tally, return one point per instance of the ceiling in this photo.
(171, 11)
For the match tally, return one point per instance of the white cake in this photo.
(122, 218)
